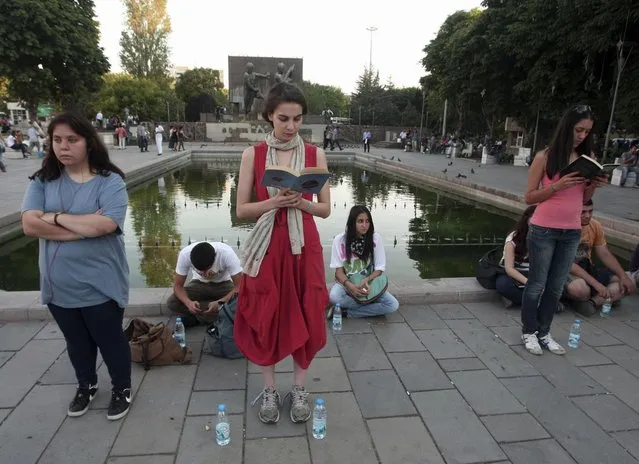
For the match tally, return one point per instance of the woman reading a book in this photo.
(555, 226)
(357, 252)
(283, 292)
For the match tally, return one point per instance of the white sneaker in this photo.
(532, 344)
(551, 345)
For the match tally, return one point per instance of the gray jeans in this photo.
(204, 293)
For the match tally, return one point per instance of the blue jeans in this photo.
(508, 288)
(385, 305)
(551, 252)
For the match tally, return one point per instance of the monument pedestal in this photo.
(486, 158)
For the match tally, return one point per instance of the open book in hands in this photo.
(588, 167)
(308, 180)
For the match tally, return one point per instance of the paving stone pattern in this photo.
(440, 385)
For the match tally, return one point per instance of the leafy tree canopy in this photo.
(319, 97)
(144, 49)
(141, 96)
(50, 51)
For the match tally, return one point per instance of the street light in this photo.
(371, 29)
(621, 64)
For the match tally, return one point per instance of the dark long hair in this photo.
(521, 232)
(351, 232)
(283, 92)
(97, 153)
(561, 146)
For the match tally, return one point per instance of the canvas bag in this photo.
(220, 333)
(154, 345)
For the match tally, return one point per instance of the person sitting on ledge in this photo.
(589, 285)
(356, 251)
(510, 285)
(216, 279)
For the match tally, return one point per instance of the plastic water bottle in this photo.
(222, 428)
(606, 307)
(179, 333)
(575, 335)
(319, 420)
(337, 318)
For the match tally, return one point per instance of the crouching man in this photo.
(216, 278)
(588, 285)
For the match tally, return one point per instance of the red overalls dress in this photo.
(280, 312)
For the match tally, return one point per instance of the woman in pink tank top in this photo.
(555, 227)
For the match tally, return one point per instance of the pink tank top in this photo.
(562, 210)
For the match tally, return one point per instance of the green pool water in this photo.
(427, 234)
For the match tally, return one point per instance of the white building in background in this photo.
(17, 113)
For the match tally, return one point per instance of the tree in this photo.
(201, 91)
(141, 96)
(319, 97)
(196, 81)
(4, 93)
(523, 58)
(56, 57)
(144, 49)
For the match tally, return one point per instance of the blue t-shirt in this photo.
(87, 272)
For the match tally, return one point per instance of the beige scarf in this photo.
(259, 239)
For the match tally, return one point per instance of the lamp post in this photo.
(621, 64)
(371, 29)
(421, 120)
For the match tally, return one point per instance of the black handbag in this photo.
(489, 267)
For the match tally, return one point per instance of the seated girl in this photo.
(515, 261)
(356, 252)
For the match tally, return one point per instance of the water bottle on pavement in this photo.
(319, 420)
(337, 318)
(606, 307)
(222, 428)
(179, 333)
(575, 334)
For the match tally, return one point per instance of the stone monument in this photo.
(248, 88)
(280, 76)
(251, 89)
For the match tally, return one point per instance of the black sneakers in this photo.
(80, 403)
(120, 404)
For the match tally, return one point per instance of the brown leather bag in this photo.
(154, 345)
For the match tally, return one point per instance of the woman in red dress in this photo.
(283, 292)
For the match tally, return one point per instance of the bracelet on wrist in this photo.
(309, 207)
(552, 187)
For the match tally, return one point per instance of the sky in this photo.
(330, 35)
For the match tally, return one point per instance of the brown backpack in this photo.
(154, 345)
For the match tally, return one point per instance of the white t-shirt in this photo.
(356, 265)
(225, 265)
(11, 141)
(525, 265)
(159, 130)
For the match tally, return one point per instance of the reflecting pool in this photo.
(427, 234)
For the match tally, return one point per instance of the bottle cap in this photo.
(319, 402)
(221, 407)
(178, 319)
(338, 305)
(578, 321)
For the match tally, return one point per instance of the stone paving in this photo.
(441, 383)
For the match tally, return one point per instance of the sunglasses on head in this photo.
(582, 109)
